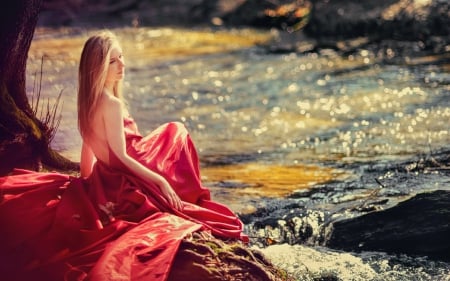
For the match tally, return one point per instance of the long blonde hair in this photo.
(93, 68)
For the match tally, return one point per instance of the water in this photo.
(271, 128)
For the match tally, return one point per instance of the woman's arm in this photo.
(87, 160)
(112, 113)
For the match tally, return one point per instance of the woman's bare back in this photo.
(98, 141)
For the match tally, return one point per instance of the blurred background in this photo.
(303, 112)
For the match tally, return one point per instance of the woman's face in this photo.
(116, 69)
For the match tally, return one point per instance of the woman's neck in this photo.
(109, 88)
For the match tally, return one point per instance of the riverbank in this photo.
(396, 28)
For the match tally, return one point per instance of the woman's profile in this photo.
(125, 215)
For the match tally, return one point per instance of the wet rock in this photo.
(419, 226)
(290, 224)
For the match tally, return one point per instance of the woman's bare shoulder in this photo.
(109, 103)
(110, 99)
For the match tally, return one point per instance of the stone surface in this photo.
(419, 226)
(395, 19)
(211, 259)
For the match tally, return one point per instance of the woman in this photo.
(101, 112)
(136, 198)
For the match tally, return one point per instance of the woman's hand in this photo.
(170, 195)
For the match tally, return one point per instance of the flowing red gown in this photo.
(111, 225)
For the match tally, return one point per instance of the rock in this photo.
(380, 19)
(211, 259)
(285, 14)
(419, 226)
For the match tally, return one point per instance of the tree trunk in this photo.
(24, 140)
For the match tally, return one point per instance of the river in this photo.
(319, 130)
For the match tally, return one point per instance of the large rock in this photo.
(381, 19)
(419, 226)
(205, 258)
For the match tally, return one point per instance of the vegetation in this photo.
(24, 138)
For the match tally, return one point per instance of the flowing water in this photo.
(312, 129)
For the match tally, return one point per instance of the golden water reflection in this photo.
(145, 45)
(269, 180)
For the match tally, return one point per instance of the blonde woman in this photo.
(136, 198)
(101, 112)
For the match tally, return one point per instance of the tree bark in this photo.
(24, 140)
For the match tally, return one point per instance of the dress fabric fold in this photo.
(111, 225)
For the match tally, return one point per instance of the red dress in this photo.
(111, 225)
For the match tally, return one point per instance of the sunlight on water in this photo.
(268, 125)
(318, 106)
(145, 45)
(54, 54)
(268, 180)
(236, 100)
